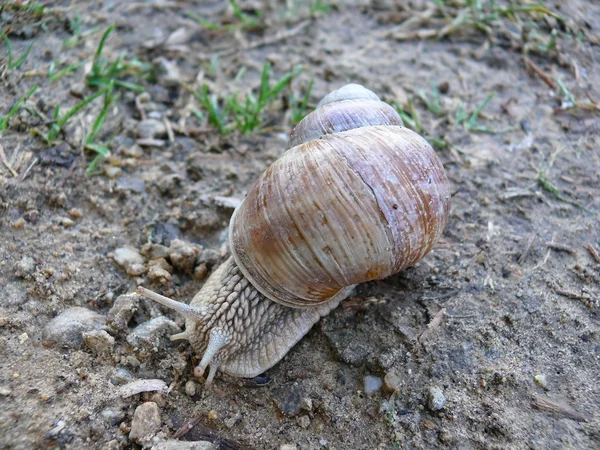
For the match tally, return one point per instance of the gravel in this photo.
(66, 330)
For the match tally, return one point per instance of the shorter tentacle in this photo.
(218, 339)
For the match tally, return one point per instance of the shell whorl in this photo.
(357, 197)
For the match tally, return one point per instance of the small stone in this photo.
(159, 275)
(75, 213)
(19, 223)
(66, 222)
(155, 251)
(112, 171)
(151, 128)
(130, 184)
(435, 398)
(161, 263)
(150, 332)
(99, 341)
(66, 330)
(372, 384)
(304, 421)
(190, 388)
(139, 386)
(212, 415)
(288, 400)
(121, 376)
(168, 185)
(172, 444)
(112, 416)
(166, 72)
(183, 255)
(122, 311)
(288, 447)
(129, 260)
(134, 151)
(540, 380)
(5, 392)
(24, 337)
(25, 267)
(391, 382)
(146, 422)
(31, 216)
(13, 294)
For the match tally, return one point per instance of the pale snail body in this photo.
(357, 197)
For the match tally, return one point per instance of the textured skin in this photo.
(260, 331)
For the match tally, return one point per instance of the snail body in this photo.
(356, 197)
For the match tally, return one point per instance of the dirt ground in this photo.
(492, 341)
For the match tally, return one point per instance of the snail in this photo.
(355, 197)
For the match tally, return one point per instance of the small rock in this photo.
(435, 398)
(166, 72)
(66, 222)
(25, 267)
(129, 260)
(112, 172)
(134, 151)
(112, 416)
(146, 422)
(288, 447)
(121, 375)
(66, 330)
(19, 223)
(304, 421)
(391, 382)
(168, 185)
(149, 333)
(288, 400)
(183, 255)
(12, 294)
(130, 184)
(99, 341)
(161, 263)
(372, 384)
(155, 251)
(172, 444)
(159, 275)
(151, 128)
(23, 337)
(122, 311)
(75, 213)
(31, 216)
(540, 380)
(5, 392)
(190, 388)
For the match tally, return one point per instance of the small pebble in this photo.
(75, 213)
(200, 272)
(150, 332)
(66, 222)
(158, 275)
(151, 128)
(372, 384)
(19, 223)
(190, 388)
(183, 255)
(99, 341)
(129, 260)
(24, 337)
(122, 311)
(66, 330)
(112, 171)
(172, 444)
(166, 72)
(25, 267)
(209, 257)
(540, 380)
(155, 251)
(288, 447)
(31, 216)
(146, 422)
(391, 382)
(112, 416)
(435, 398)
(212, 415)
(304, 421)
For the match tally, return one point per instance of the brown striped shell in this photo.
(357, 197)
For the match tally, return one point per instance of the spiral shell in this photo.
(357, 197)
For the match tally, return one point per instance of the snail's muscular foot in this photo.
(236, 329)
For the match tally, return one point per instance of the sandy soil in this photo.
(492, 341)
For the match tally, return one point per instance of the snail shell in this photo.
(357, 197)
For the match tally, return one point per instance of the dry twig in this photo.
(593, 252)
(539, 72)
(546, 404)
